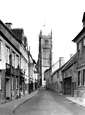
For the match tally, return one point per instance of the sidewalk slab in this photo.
(9, 108)
(76, 100)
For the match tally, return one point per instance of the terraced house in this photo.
(69, 74)
(80, 42)
(9, 64)
(23, 48)
(14, 74)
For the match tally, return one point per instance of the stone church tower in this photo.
(45, 54)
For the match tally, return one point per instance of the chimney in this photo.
(61, 61)
(83, 20)
(8, 25)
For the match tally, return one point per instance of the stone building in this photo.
(14, 63)
(9, 64)
(69, 76)
(53, 75)
(45, 54)
(47, 77)
(80, 42)
(23, 48)
(33, 74)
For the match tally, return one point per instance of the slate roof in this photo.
(79, 35)
(83, 17)
(18, 32)
(70, 62)
(11, 33)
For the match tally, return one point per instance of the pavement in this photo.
(9, 107)
(76, 100)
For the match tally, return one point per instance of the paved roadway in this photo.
(48, 102)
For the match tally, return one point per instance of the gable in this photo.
(79, 36)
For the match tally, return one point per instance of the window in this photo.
(80, 49)
(84, 77)
(45, 62)
(46, 54)
(79, 78)
(80, 46)
(17, 61)
(12, 82)
(46, 42)
(83, 41)
(7, 55)
(13, 59)
(0, 49)
(16, 82)
(0, 81)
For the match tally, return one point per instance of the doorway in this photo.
(67, 85)
(8, 89)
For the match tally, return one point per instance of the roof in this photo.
(34, 62)
(18, 32)
(9, 31)
(83, 17)
(58, 69)
(9, 42)
(46, 70)
(70, 62)
(79, 35)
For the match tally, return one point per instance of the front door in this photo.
(8, 89)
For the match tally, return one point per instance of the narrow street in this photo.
(48, 102)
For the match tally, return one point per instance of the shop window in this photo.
(79, 78)
(84, 77)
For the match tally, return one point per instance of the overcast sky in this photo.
(64, 17)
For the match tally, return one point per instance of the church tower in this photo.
(45, 54)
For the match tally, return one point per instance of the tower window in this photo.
(46, 42)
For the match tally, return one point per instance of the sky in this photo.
(63, 17)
